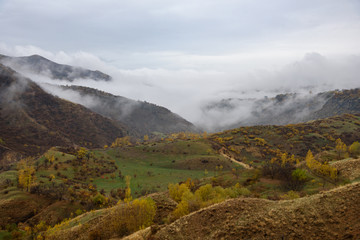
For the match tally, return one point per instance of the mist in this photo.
(189, 92)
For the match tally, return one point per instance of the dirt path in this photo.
(246, 166)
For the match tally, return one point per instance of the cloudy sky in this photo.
(181, 53)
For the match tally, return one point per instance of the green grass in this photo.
(12, 175)
(151, 166)
(12, 194)
(5, 235)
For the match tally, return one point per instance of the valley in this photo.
(128, 169)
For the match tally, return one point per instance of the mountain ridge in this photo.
(142, 117)
(290, 108)
(37, 64)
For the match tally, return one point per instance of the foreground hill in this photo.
(36, 64)
(328, 215)
(32, 120)
(141, 117)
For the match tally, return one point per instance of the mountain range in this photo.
(283, 109)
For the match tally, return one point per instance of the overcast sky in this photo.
(172, 52)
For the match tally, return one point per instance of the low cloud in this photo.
(187, 92)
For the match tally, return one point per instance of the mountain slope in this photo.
(141, 117)
(283, 108)
(36, 64)
(32, 120)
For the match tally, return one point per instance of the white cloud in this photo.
(185, 91)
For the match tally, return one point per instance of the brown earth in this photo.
(348, 168)
(329, 215)
(21, 209)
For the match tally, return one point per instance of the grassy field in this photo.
(151, 166)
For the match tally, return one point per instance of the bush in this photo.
(290, 195)
(176, 191)
(205, 196)
(133, 216)
(354, 149)
(298, 180)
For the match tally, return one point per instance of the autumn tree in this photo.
(354, 149)
(323, 169)
(298, 179)
(128, 196)
(132, 216)
(81, 153)
(26, 175)
(176, 191)
(340, 148)
(280, 166)
(309, 159)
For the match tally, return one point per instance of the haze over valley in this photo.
(179, 120)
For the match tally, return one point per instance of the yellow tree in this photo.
(128, 197)
(26, 177)
(340, 148)
(309, 159)
(204, 135)
(81, 153)
(354, 149)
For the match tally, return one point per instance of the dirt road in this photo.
(246, 166)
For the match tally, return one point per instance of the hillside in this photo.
(259, 144)
(32, 120)
(283, 109)
(36, 64)
(328, 215)
(141, 117)
(83, 194)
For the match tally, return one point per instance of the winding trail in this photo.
(246, 166)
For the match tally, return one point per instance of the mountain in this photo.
(282, 109)
(36, 64)
(31, 120)
(140, 117)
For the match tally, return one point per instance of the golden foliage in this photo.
(81, 153)
(176, 191)
(323, 169)
(128, 196)
(354, 149)
(340, 148)
(205, 196)
(26, 175)
(124, 141)
(133, 216)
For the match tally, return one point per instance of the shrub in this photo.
(205, 196)
(354, 149)
(133, 216)
(299, 178)
(176, 191)
(290, 195)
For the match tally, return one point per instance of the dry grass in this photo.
(348, 168)
(328, 215)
